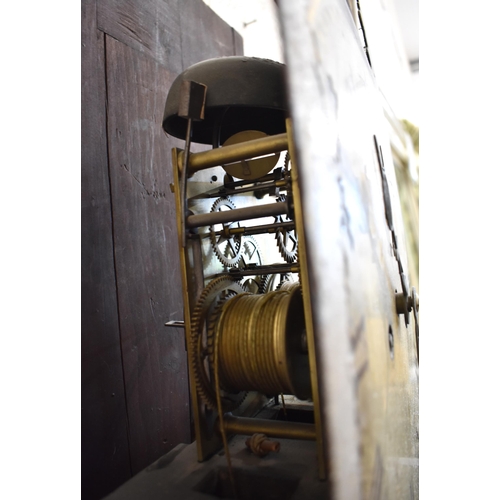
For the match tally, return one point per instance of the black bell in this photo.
(243, 93)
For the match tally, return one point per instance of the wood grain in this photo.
(105, 452)
(237, 42)
(204, 34)
(151, 27)
(135, 396)
(146, 253)
(367, 362)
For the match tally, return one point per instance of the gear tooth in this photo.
(225, 261)
(227, 404)
(287, 160)
(280, 284)
(203, 386)
(196, 320)
(264, 282)
(289, 255)
(247, 240)
(268, 281)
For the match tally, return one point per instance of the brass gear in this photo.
(233, 244)
(284, 237)
(274, 282)
(207, 309)
(249, 253)
(287, 162)
(289, 285)
(252, 285)
(251, 256)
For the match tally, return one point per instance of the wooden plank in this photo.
(366, 354)
(204, 34)
(149, 26)
(237, 43)
(105, 452)
(146, 253)
(176, 33)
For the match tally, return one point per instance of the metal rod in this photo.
(268, 177)
(236, 152)
(271, 269)
(175, 323)
(225, 191)
(258, 187)
(264, 228)
(211, 218)
(184, 181)
(228, 191)
(197, 277)
(272, 428)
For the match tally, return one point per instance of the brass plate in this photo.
(250, 169)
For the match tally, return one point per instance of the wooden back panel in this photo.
(135, 400)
